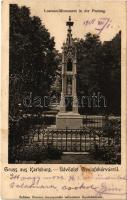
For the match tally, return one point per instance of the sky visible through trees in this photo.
(35, 64)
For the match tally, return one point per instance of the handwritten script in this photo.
(99, 24)
(69, 183)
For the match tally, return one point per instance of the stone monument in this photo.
(68, 116)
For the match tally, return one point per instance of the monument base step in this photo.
(76, 153)
(69, 120)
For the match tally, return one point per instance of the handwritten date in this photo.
(99, 24)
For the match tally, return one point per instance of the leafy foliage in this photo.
(110, 151)
(34, 152)
(33, 57)
(99, 70)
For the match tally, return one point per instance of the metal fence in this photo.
(69, 140)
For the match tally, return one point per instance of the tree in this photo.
(57, 84)
(33, 58)
(99, 70)
(110, 79)
(88, 59)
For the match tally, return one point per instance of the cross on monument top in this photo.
(69, 23)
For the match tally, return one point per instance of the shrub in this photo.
(111, 126)
(53, 153)
(109, 153)
(37, 153)
(31, 153)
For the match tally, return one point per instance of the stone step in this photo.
(76, 153)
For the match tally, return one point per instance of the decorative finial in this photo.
(69, 23)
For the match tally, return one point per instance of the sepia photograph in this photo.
(63, 100)
(64, 87)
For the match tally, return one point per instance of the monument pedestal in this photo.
(69, 120)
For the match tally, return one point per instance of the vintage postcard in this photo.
(63, 130)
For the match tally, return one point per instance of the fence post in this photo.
(71, 139)
(47, 137)
(38, 134)
(61, 141)
(85, 141)
(99, 141)
(57, 139)
(66, 138)
(43, 132)
(80, 140)
(90, 140)
(52, 137)
(83, 121)
(86, 119)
